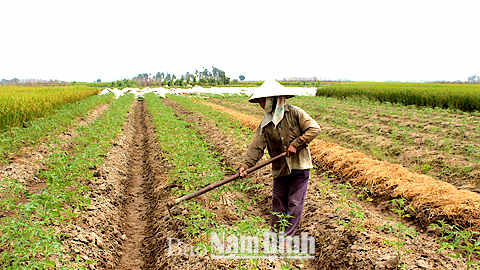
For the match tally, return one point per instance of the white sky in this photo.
(357, 40)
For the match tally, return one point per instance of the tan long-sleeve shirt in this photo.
(296, 128)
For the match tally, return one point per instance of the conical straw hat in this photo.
(270, 88)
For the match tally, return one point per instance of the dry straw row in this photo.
(431, 199)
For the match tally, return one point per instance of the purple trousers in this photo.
(289, 193)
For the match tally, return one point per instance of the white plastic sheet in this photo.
(160, 91)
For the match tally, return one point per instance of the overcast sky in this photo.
(357, 40)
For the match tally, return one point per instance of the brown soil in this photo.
(134, 209)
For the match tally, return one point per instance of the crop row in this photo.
(19, 104)
(465, 97)
(31, 234)
(224, 121)
(56, 122)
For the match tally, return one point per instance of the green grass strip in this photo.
(193, 162)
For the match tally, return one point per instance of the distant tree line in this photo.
(206, 77)
(32, 82)
(474, 79)
(302, 79)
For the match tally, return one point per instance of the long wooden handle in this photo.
(226, 180)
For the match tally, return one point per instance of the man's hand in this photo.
(242, 172)
(291, 151)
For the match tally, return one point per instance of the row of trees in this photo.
(303, 79)
(205, 77)
(474, 79)
(31, 82)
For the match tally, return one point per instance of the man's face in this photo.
(262, 103)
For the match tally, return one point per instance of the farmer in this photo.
(284, 128)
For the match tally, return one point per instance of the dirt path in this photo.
(136, 203)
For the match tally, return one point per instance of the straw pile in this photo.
(431, 199)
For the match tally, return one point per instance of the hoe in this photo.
(172, 202)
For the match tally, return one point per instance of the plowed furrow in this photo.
(136, 203)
